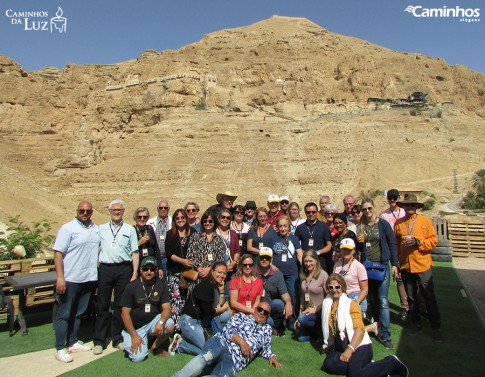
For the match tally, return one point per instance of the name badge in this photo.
(283, 257)
(307, 297)
(162, 237)
(240, 242)
(144, 252)
(310, 242)
(147, 308)
(113, 244)
(248, 304)
(261, 245)
(210, 257)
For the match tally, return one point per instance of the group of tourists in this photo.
(221, 283)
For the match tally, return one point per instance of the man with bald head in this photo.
(243, 338)
(76, 262)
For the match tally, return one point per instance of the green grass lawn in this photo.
(459, 355)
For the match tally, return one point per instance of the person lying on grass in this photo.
(230, 351)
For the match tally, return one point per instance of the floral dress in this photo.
(204, 253)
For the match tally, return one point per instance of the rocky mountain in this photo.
(279, 106)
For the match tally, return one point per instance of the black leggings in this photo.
(360, 364)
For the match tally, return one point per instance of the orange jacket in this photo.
(415, 258)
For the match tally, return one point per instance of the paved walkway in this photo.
(44, 364)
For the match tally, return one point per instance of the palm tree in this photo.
(478, 182)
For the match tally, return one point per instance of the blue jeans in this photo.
(379, 303)
(292, 285)
(71, 305)
(193, 338)
(215, 353)
(363, 304)
(219, 321)
(310, 326)
(277, 319)
(144, 332)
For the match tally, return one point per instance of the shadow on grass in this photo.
(462, 351)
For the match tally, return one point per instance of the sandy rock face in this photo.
(279, 106)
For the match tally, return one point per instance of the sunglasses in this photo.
(190, 210)
(356, 212)
(265, 257)
(85, 211)
(162, 207)
(334, 287)
(250, 209)
(392, 198)
(238, 212)
(248, 265)
(225, 217)
(180, 218)
(284, 202)
(262, 311)
(151, 269)
(142, 217)
(367, 209)
(310, 212)
(208, 222)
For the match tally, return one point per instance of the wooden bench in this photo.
(40, 292)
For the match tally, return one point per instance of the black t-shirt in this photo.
(136, 296)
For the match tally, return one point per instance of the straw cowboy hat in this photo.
(221, 196)
(410, 199)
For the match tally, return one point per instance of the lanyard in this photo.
(261, 234)
(140, 234)
(398, 213)
(144, 290)
(412, 226)
(119, 228)
(313, 230)
(246, 288)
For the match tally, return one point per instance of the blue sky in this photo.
(110, 31)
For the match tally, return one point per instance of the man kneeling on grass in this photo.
(230, 351)
(146, 313)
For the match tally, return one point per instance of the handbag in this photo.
(375, 270)
(191, 275)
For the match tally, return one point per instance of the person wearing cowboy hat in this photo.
(225, 200)
(415, 238)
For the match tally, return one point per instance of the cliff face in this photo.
(131, 129)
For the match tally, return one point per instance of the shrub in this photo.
(34, 238)
(370, 194)
(416, 111)
(201, 105)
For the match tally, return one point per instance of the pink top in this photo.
(390, 217)
(352, 274)
(246, 291)
(315, 288)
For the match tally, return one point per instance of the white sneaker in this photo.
(63, 356)
(120, 346)
(98, 350)
(177, 338)
(79, 347)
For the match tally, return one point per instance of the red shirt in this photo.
(272, 219)
(246, 291)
